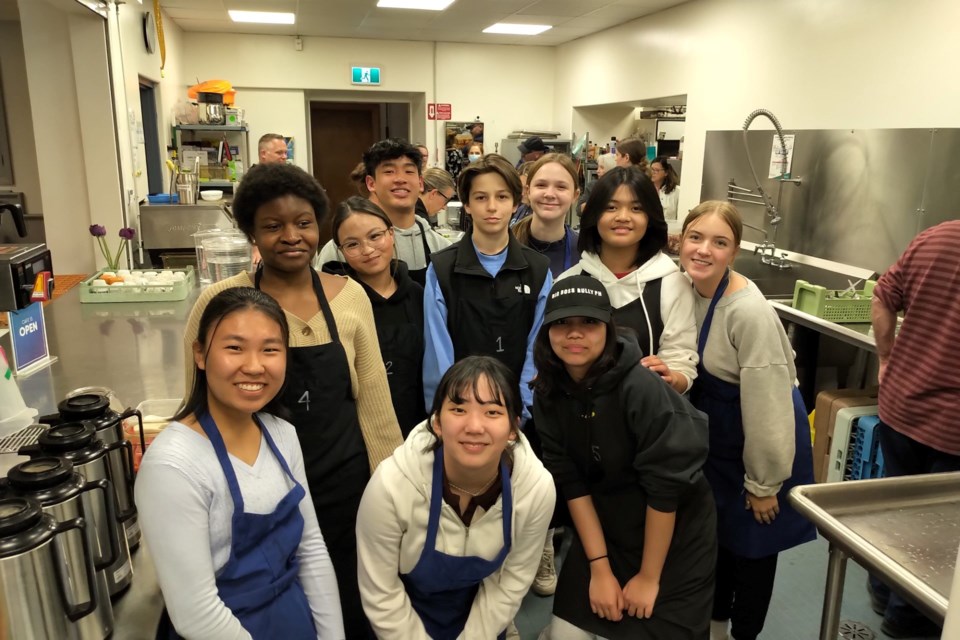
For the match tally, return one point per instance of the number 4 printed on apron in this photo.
(305, 399)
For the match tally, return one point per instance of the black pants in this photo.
(904, 456)
(742, 592)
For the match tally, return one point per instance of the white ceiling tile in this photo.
(566, 8)
(196, 14)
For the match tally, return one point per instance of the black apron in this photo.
(420, 275)
(318, 394)
(401, 346)
(737, 530)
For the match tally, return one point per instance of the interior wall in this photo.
(16, 95)
(58, 143)
(506, 86)
(276, 111)
(816, 65)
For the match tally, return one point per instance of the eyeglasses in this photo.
(656, 170)
(446, 198)
(374, 240)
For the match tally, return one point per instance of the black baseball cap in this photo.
(581, 296)
(533, 143)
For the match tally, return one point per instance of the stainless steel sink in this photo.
(779, 283)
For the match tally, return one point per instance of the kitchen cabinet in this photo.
(206, 142)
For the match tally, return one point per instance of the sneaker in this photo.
(545, 584)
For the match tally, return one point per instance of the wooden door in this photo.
(340, 132)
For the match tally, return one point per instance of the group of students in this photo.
(373, 441)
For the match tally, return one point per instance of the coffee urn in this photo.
(59, 490)
(95, 408)
(77, 442)
(34, 596)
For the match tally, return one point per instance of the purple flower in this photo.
(98, 231)
(127, 233)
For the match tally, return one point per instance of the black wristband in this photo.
(597, 558)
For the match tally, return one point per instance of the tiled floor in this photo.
(796, 606)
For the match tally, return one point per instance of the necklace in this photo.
(478, 492)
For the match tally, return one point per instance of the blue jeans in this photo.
(904, 456)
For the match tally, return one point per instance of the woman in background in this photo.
(451, 526)
(622, 235)
(633, 153)
(759, 433)
(364, 237)
(438, 189)
(605, 162)
(666, 181)
(225, 481)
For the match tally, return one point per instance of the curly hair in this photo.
(265, 182)
(390, 149)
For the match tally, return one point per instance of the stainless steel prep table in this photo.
(136, 349)
(905, 529)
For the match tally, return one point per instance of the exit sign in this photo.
(366, 75)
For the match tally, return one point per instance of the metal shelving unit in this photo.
(185, 134)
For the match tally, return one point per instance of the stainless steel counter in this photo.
(905, 529)
(136, 349)
(171, 226)
(857, 334)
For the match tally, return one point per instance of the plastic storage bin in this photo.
(151, 292)
(835, 306)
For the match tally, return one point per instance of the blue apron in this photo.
(259, 581)
(737, 530)
(442, 587)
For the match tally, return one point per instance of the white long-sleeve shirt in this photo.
(185, 512)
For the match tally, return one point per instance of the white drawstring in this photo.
(646, 316)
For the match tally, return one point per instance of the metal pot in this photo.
(77, 442)
(34, 573)
(210, 108)
(95, 408)
(59, 490)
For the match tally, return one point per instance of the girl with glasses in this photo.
(626, 452)
(364, 236)
(666, 181)
(336, 389)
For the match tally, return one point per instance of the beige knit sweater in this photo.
(354, 317)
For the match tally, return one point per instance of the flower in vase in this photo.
(113, 258)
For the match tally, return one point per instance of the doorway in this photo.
(151, 139)
(340, 132)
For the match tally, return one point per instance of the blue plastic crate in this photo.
(866, 459)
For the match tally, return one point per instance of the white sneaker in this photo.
(719, 630)
(545, 584)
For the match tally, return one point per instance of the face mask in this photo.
(473, 157)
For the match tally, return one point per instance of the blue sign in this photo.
(366, 75)
(28, 335)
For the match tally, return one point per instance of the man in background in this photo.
(919, 428)
(272, 148)
(426, 156)
(531, 149)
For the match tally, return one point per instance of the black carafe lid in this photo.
(68, 436)
(18, 515)
(40, 473)
(85, 406)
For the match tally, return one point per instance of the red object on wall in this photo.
(431, 111)
(444, 112)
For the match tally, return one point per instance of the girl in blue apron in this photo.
(221, 492)
(626, 452)
(336, 390)
(759, 433)
(622, 237)
(451, 527)
(552, 190)
(364, 236)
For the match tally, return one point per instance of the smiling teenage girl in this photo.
(622, 234)
(364, 235)
(451, 526)
(336, 388)
(626, 452)
(759, 433)
(226, 480)
(485, 294)
(552, 190)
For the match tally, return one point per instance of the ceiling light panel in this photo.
(517, 29)
(423, 5)
(261, 17)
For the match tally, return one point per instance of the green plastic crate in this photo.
(835, 306)
(140, 293)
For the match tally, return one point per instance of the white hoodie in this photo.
(678, 342)
(392, 529)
